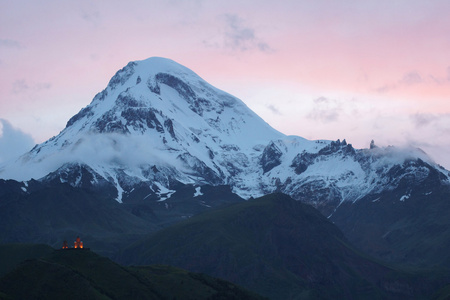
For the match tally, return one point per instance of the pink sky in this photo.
(354, 70)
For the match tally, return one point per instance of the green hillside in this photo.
(82, 274)
(279, 248)
(11, 255)
(415, 231)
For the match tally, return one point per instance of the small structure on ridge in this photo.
(78, 244)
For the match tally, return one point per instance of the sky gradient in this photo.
(354, 70)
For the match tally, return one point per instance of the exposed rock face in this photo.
(271, 157)
(158, 124)
(158, 137)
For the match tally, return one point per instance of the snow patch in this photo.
(178, 127)
(163, 192)
(404, 197)
(78, 180)
(119, 190)
(198, 191)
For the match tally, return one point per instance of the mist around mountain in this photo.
(158, 124)
(160, 148)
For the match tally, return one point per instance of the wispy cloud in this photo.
(325, 110)
(414, 78)
(274, 109)
(92, 17)
(22, 86)
(8, 43)
(409, 79)
(237, 36)
(386, 88)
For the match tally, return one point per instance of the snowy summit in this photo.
(158, 124)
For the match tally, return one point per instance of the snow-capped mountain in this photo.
(158, 124)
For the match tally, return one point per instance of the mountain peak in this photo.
(149, 68)
(156, 112)
(159, 123)
(157, 86)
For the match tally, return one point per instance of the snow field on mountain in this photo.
(158, 122)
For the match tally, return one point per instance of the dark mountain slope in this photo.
(11, 255)
(408, 225)
(50, 212)
(278, 247)
(158, 136)
(158, 125)
(82, 274)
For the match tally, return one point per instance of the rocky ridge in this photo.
(158, 124)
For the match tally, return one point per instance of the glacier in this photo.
(158, 124)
